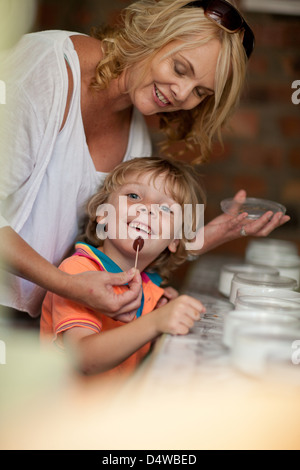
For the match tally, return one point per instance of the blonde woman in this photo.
(75, 107)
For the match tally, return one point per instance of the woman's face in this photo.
(176, 81)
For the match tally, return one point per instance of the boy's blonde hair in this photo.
(148, 26)
(182, 181)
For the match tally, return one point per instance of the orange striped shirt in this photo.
(60, 314)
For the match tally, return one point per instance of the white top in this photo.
(47, 176)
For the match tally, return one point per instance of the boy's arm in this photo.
(106, 350)
(100, 352)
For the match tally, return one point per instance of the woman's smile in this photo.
(160, 98)
(175, 79)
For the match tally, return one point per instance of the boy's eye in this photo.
(166, 209)
(133, 196)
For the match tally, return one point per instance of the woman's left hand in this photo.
(226, 228)
(169, 295)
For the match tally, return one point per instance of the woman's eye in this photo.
(200, 93)
(179, 68)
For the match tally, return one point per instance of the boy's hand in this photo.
(169, 294)
(179, 315)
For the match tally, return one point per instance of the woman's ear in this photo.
(173, 246)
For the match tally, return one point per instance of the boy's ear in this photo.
(101, 219)
(173, 246)
(102, 226)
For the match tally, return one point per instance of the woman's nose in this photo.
(182, 91)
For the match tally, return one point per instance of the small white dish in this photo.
(260, 280)
(287, 265)
(228, 272)
(255, 346)
(268, 304)
(236, 319)
(284, 294)
(270, 246)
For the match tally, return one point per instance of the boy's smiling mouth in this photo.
(140, 227)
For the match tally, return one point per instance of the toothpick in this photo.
(136, 256)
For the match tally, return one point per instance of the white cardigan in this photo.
(46, 175)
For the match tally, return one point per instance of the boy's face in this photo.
(143, 208)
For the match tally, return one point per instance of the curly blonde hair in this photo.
(149, 25)
(182, 181)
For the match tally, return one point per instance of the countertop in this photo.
(186, 395)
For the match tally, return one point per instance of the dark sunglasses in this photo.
(228, 18)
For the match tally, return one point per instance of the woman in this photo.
(66, 126)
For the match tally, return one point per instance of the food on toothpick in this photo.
(138, 245)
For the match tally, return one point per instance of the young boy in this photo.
(140, 198)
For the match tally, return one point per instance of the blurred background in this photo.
(262, 146)
(261, 151)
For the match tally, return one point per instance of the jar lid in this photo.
(285, 246)
(267, 303)
(276, 260)
(250, 268)
(263, 291)
(253, 206)
(268, 280)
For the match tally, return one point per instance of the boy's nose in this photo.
(146, 209)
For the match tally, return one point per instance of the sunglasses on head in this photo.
(227, 17)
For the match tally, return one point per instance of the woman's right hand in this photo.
(178, 316)
(96, 290)
(93, 289)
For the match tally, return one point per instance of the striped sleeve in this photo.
(77, 322)
(60, 314)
